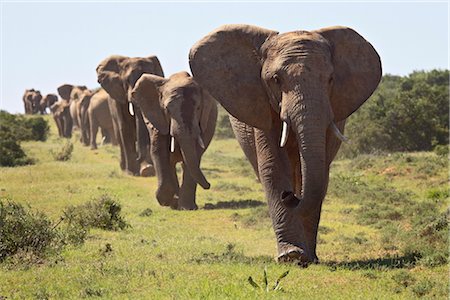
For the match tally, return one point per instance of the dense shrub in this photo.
(103, 213)
(404, 114)
(13, 130)
(22, 230)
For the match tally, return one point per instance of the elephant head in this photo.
(118, 74)
(178, 107)
(48, 101)
(71, 92)
(306, 80)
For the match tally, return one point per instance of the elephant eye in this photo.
(276, 79)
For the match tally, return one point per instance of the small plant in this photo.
(267, 288)
(422, 287)
(146, 212)
(65, 153)
(403, 278)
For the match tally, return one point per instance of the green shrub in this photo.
(65, 153)
(441, 150)
(103, 213)
(24, 230)
(11, 154)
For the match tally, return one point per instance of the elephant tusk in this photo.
(284, 134)
(338, 133)
(201, 143)
(130, 108)
(172, 144)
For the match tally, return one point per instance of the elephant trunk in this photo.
(310, 121)
(191, 157)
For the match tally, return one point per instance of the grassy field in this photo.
(368, 239)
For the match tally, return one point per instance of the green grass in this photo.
(211, 253)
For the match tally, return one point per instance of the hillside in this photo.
(381, 233)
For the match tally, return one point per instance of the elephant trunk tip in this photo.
(289, 200)
(205, 185)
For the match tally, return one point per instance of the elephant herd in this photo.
(288, 96)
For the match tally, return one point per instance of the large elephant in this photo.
(118, 75)
(298, 87)
(181, 118)
(31, 100)
(46, 102)
(61, 114)
(96, 114)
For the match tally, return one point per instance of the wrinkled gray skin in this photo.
(32, 100)
(118, 75)
(61, 114)
(310, 80)
(95, 114)
(46, 102)
(177, 107)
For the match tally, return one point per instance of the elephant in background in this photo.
(96, 114)
(292, 92)
(61, 114)
(73, 95)
(118, 75)
(181, 118)
(32, 99)
(46, 102)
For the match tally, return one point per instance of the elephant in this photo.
(46, 102)
(118, 75)
(61, 114)
(32, 99)
(97, 113)
(292, 92)
(181, 119)
(73, 94)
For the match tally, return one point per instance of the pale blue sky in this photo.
(48, 44)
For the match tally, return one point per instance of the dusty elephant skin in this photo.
(181, 118)
(118, 75)
(73, 94)
(61, 114)
(32, 102)
(289, 95)
(47, 101)
(95, 114)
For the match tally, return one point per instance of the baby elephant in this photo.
(181, 119)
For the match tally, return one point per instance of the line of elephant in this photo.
(288, 96)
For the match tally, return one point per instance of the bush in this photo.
(22, 230)
(404, 114)
(103, 213)
(11, 154)
(13, 130)
(65, 153)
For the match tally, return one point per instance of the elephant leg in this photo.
(168, 187)
(276, 176)
(127, 133)
(186, 200)
(93, 132)
(106, 139)
(143, 142)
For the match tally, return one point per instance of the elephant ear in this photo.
(146, 94)
(357, 70)
(65, 90)
(109, 78)
(227, 63)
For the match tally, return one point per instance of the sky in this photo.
(47, 44)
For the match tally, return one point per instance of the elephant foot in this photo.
(293, 254)
(93, 147)
(191, 206)
(147, 171)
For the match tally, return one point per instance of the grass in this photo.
(211, 253)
